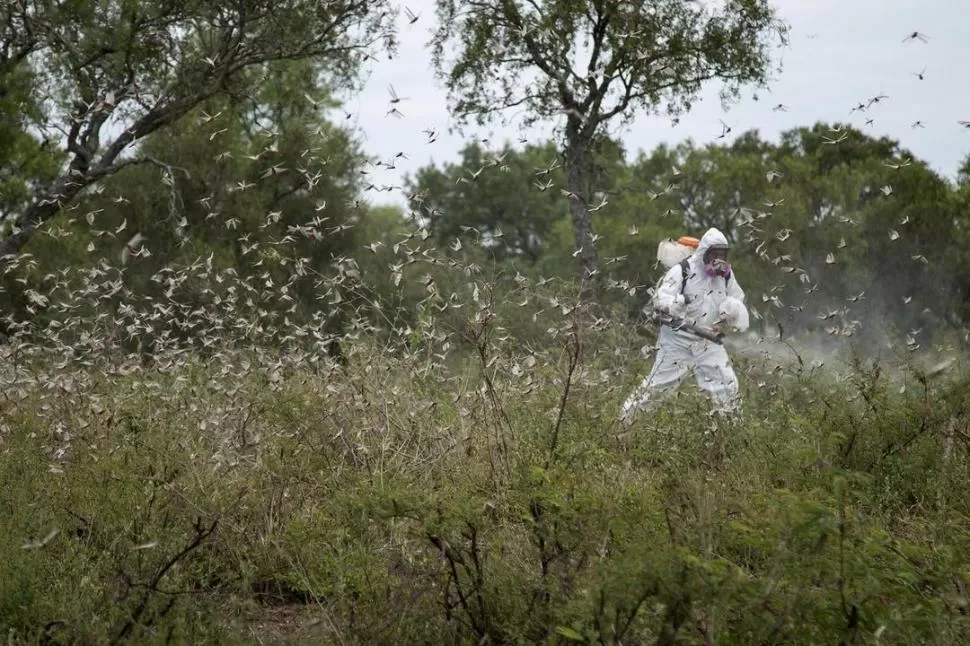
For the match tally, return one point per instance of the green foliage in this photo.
(489, 502)
(510, 212)
(834, 232)
(639, 58)
(140, 67)
(963, 173)
(24, 161)
(263, 187)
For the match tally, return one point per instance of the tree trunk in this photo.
(576, 173)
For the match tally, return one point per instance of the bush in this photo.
(477, 493)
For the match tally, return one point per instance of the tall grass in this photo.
(466, 486)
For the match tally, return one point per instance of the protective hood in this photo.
(711, 238)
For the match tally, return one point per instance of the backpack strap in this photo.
(684, 268)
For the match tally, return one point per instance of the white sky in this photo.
(841, 52)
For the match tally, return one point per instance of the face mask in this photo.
(718, 267)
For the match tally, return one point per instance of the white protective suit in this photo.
(706, 301)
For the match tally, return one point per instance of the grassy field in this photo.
(481, 493)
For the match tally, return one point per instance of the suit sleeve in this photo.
(668, 293)
(734, 307)
(734, 289)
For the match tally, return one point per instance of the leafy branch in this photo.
(141, 615)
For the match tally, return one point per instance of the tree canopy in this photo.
(113, 73)
(594, 62)
(853, 239)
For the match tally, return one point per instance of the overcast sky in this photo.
(841, 52)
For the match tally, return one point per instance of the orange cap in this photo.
(688, 241)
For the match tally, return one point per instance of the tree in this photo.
(639, 57)
(116, 72)
(507, 199)
(275, 190)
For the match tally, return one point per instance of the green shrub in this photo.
(482, 492)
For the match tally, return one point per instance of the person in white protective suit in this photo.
(710, 298)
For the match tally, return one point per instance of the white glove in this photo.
(734, 313)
